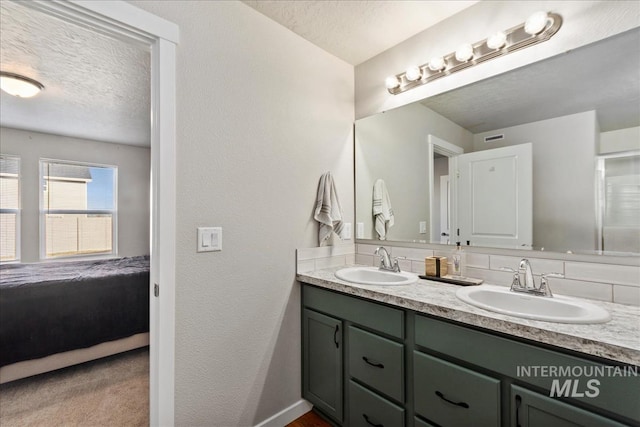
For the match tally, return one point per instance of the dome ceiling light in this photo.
(20, 86)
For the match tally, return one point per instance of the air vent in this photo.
(493, 138)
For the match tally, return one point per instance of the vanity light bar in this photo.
(539, 27)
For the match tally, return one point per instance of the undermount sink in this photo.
(375, 276)
(558, 309)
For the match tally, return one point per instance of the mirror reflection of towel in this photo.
(328, 210)
(382, 211)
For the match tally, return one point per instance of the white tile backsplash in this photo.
(605, 282)
(616, 274)
(334, 261)
(626, 294)
(578, 288)
(305, 265)
(411, 253)
(502, 278)
(364, 259)
(477, 260)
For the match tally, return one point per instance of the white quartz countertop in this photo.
(618, 339)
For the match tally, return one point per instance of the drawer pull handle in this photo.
(461, 404)
(377, 365)
(335, 336)
(369, 421)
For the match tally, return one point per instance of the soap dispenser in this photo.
(458, 261)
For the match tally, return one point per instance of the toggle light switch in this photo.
(209, 239)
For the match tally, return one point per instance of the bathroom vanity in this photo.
(414, 355)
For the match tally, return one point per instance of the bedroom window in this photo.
(9, 208)
(78, 209)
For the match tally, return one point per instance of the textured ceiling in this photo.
(357, 30)
(96, 87)
(603, 76)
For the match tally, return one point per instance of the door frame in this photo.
(447, 149)
(126, 22)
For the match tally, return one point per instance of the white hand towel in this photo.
(328, 210)
(382, 211)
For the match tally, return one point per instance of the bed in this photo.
(61, 313)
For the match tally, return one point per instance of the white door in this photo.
(444, 210)
(494, 197)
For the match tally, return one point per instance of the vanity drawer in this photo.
(367, 409)
(420, 423)
(450, 395)
(377, 362)
(618, 393)
(372, 315)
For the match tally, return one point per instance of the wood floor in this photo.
(310, 419)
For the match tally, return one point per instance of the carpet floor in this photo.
(113, 391)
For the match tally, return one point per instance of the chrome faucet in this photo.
(385, 260)
(525, 266)
(529, 285)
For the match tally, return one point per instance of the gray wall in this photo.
(133, 184)
(393, 146)
(261, 114)
(564, 149)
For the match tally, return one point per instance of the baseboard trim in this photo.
(287, 415)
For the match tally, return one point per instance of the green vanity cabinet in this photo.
(530, 409)
(371, 364)
(322, 362)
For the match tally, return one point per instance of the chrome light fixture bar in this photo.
(539, 27)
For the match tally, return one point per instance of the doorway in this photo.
(441, 189)
(124, 21)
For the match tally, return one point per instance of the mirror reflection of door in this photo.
(441, 208)
(445, 223)
(494, 197)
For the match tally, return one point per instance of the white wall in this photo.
(393, 146)
(564, 151)
(133, 184)
(583, 22)
(261, 114)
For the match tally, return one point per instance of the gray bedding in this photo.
(49, 308)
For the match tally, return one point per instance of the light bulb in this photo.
(392, 82)
(497, 40)
(437, 63)
(536, 23)
(16, 85)
(413, 73)
(464, 53)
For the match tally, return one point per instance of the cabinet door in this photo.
(530, 409)
(322, 362)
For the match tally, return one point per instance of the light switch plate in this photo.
(209, 239)
(423, 227)
(360, 230)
